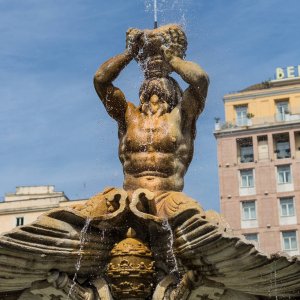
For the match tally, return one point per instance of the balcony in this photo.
(287, 117)
(257, 121)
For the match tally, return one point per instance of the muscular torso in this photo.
(155, 150)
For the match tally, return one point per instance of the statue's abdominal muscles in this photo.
(154, 153)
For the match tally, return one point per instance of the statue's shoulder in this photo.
(131, 106)
(131, 110)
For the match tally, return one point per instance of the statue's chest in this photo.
(157, 133)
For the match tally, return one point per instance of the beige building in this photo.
(259, 163)
(27, 203)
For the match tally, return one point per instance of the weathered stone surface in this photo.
(220, 261)
(234, 262)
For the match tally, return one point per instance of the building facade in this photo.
(28, 203)
(259, 164)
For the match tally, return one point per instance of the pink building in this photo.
(259, 164)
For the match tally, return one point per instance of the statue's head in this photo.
(163, 90)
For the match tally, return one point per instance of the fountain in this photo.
(147, 240)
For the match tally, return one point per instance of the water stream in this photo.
(275, 279)
(167, 11)
(272, 287)
(171, 259)
(82, 239)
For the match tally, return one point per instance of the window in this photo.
(282, 145)
(282, 108)
(249, 210)
(19, 221)
(247, 178)
(289, 239)
(245, 149)
(287, 208)
(253, 237)
(241, 115)
(284, 174)
(246, 153)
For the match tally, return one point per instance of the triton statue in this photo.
(147, 240)
(156, 137)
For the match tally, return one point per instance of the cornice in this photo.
(18, 210)
(262, 93)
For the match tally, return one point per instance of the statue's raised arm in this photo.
(193, 99)
(112, 97)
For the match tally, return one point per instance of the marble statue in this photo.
(147, 240)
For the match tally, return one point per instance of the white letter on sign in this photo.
(290, 72)
(279, 73)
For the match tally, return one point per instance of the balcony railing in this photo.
(278, 118)
(246, 158)
(287, 117)
(283, 153)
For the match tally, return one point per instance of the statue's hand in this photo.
(167, 53)
(133, 37)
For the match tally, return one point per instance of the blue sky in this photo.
(53, 128)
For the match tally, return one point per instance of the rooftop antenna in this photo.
(155, 14)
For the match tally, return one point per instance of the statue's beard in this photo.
(158, 108)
